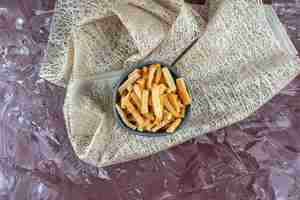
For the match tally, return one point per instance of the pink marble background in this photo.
(256, 159)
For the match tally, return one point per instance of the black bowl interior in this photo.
(116, 98)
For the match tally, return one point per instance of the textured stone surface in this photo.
(257, 158)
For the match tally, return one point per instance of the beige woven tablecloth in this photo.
(242, 58)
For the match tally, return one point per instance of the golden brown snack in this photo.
(135, 99)
(167, 115)
(129, 88)
(124, 118)
(145, 99)
(145, 72)
(182, 91)
(182, 113)
(149, 115)
(174, 126)
(142, 83)
(124, 100)
(158, 75)
(131, 79)
(161, 125)
(149, 126)
(173, 98)
(136, 71)
(169, 79)
(132, 110)
(151, 73)
(137, 90)
(162, 88)
(169, 106)
(156, 101)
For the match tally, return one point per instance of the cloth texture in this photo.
(242, 59)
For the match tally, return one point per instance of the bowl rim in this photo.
(147, 133)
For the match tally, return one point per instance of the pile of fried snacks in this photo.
(151, 100)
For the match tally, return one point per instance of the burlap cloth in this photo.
(241, 60)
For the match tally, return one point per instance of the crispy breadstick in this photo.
(145, 72)
(182, 112)
(124, 118)
(162, 79)
(161, 125)
(145, 97)
(182, 91)
(129, 116)
(162, 88)
(149, 126)
(173, 126)
(169, 106)
(136, 71)
(129, 88)
(161, 103)
(169, 79)
(150, 100)
(180, 104)
(156, 101)
(173, 98)
(131, 109)
(136, 100)
(142, 83)
(157, 121)
(152, 70)
(124, 100)
(149, 115)
(128, 82)
(137, 90)
(167, 115)
(158, 75)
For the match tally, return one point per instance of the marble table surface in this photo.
(256, 159)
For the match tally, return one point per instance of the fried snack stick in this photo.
(150, 100)
(136, 71)
(131, 79)
(162, 88)
(156, 101)
(149, 115)
(129, 88)
(142, 83)
(167, 115)
(132, 110)
(161, 104)
(169, 79)
(182, 112)
(161, 125)
(149, 127)
(157, 121)
(136, 100)
(173, 126)
(145, 72)
(158, 75)
(169, 106)
(145, 98)
(182, 91)
(137, 90)
(124, 100)
(151, 74)
(173, 98)
(124, 118)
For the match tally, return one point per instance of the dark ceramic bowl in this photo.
(116, 98)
